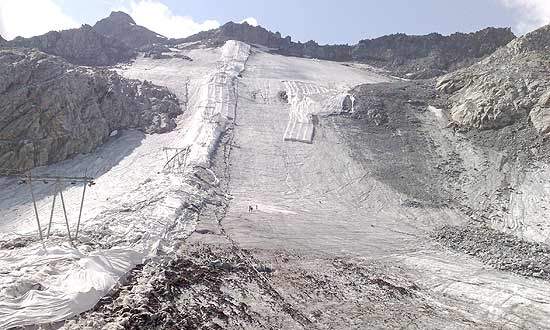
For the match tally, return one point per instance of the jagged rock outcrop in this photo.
(50, 109)
(121, 26)
(507, 86)
(2, 41)
(414, 57)
(83, 46)
(430, 55)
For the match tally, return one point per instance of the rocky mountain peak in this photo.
(121, 17)
(122, 27)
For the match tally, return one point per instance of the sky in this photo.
(325, 21)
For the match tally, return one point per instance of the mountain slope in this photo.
(121, 26)
(82, 46)
(51, 110)
(509, 86)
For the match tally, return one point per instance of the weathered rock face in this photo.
(259, 36)
(50, 110)
(83, 46)
(430, 55)
(2, 41)
(414, 57)
(507, 86)
(121, 26)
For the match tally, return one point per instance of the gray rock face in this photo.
(83, 46)
(507, 86)
(121, 26)
(2, 41)
(414, 57)
(50, 110)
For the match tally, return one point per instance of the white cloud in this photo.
(29, 18)
(157, 17)
(251, 21)
(531, 14)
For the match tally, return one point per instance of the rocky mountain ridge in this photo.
(117, 38)
(406, 56)
(51, 110)
(430, 55)
(82, 46)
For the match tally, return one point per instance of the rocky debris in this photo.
(418, 57)
(375, 102)
(208, 286)
(500, 250)
(414, 57)
(51, 110)
(206, 289)
(505, 88)
(122, 27)
(82, 46)
(162, 52)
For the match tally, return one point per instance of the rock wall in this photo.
(83, 46)
(51, 110)
(507, 86)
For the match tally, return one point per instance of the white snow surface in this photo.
(134, 212)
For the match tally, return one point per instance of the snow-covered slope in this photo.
(142, 202)
(322, 202)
